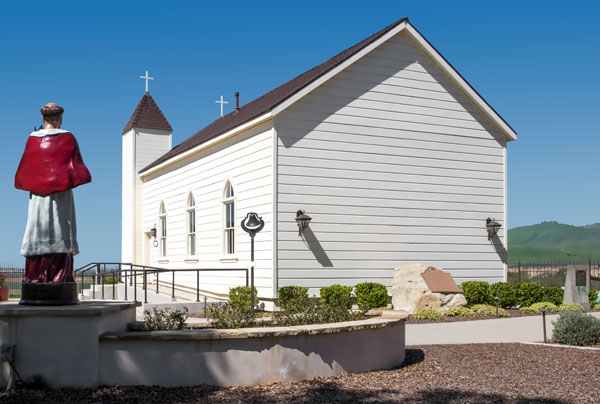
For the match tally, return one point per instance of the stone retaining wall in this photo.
(250, 356)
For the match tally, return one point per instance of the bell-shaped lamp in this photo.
(302, 219)
(492, 227)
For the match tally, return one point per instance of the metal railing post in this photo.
(145, 286)
(125, 285)
(134, 285)
(173, 286)
(81, 283)
(113, 282)
(197, 286)
(94, 287)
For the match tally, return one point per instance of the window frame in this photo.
(191, 249)
(229, 199)
(162, 219)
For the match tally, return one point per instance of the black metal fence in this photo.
(551, 273)
(13, 276)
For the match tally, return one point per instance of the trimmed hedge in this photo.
(337, 296)
(507, 292)
(293, 299)
(460, 312)
(428, 314)
(571, 307)
(476, 292)
(239, 297)
(489, 310)
(529, 293)
(593, 296)
(554, 295)
(371, 295)
(535, 308)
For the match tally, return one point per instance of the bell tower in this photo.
(147, 136)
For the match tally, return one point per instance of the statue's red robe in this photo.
(50, 164)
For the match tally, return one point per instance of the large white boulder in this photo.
(410, 292)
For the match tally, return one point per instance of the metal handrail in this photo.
(131, 271)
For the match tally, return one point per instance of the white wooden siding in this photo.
(127, 186)
(246, 161)
(395, 165)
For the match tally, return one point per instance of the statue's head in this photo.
(52, 114)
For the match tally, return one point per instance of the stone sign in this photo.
(580, 277)
(419, 286)
(440, 281)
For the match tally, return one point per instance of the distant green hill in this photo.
(554, 241)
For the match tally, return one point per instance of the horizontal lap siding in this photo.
(245, 160)
(395, 165)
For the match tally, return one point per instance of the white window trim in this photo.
(188, 210)
(226, 257)
(162, 219)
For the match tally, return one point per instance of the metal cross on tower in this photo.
(146, 77)
(221, 102)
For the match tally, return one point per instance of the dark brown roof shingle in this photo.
(147, 115)
(269, 100)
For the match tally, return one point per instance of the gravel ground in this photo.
(449, 374)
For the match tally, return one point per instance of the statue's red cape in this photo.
(51, 164)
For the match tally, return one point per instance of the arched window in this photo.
(163, 230)
(229, 215)
(191, 226)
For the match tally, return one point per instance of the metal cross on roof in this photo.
(146, 77)
(221, 102)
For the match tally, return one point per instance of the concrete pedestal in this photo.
(577, 286)
(60, 344)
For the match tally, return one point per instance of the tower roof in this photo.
(147, 115)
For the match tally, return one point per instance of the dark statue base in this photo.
(49, 294)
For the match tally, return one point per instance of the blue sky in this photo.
(535, 62)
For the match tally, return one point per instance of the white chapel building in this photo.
(394, 156)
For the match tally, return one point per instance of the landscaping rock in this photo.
(410, 291)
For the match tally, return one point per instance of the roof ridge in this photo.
(271, 99)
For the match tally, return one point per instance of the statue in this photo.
(51, 166)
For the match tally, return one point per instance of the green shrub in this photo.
(460, 312)
(337, 297)
(111, 281)
(232, 316)
(428, 314)
(370, 295)
(240, 297)
(489, 310)
(571, 307)
(165, 319)
(529, 293)
(507, 292)
(575, 328)
(476, 292)
(535, 308)
(293, 299)
(593, 296)
(553, 295)
(596, 306)
(315, 313)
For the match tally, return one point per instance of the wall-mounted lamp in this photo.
(303, 220)
(153, 232)
(492, 227)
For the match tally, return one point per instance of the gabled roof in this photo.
(279, 98)
(147, 115)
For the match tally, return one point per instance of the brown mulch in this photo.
(448, 374)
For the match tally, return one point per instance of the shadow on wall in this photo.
(499, 247)
(316, 248)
